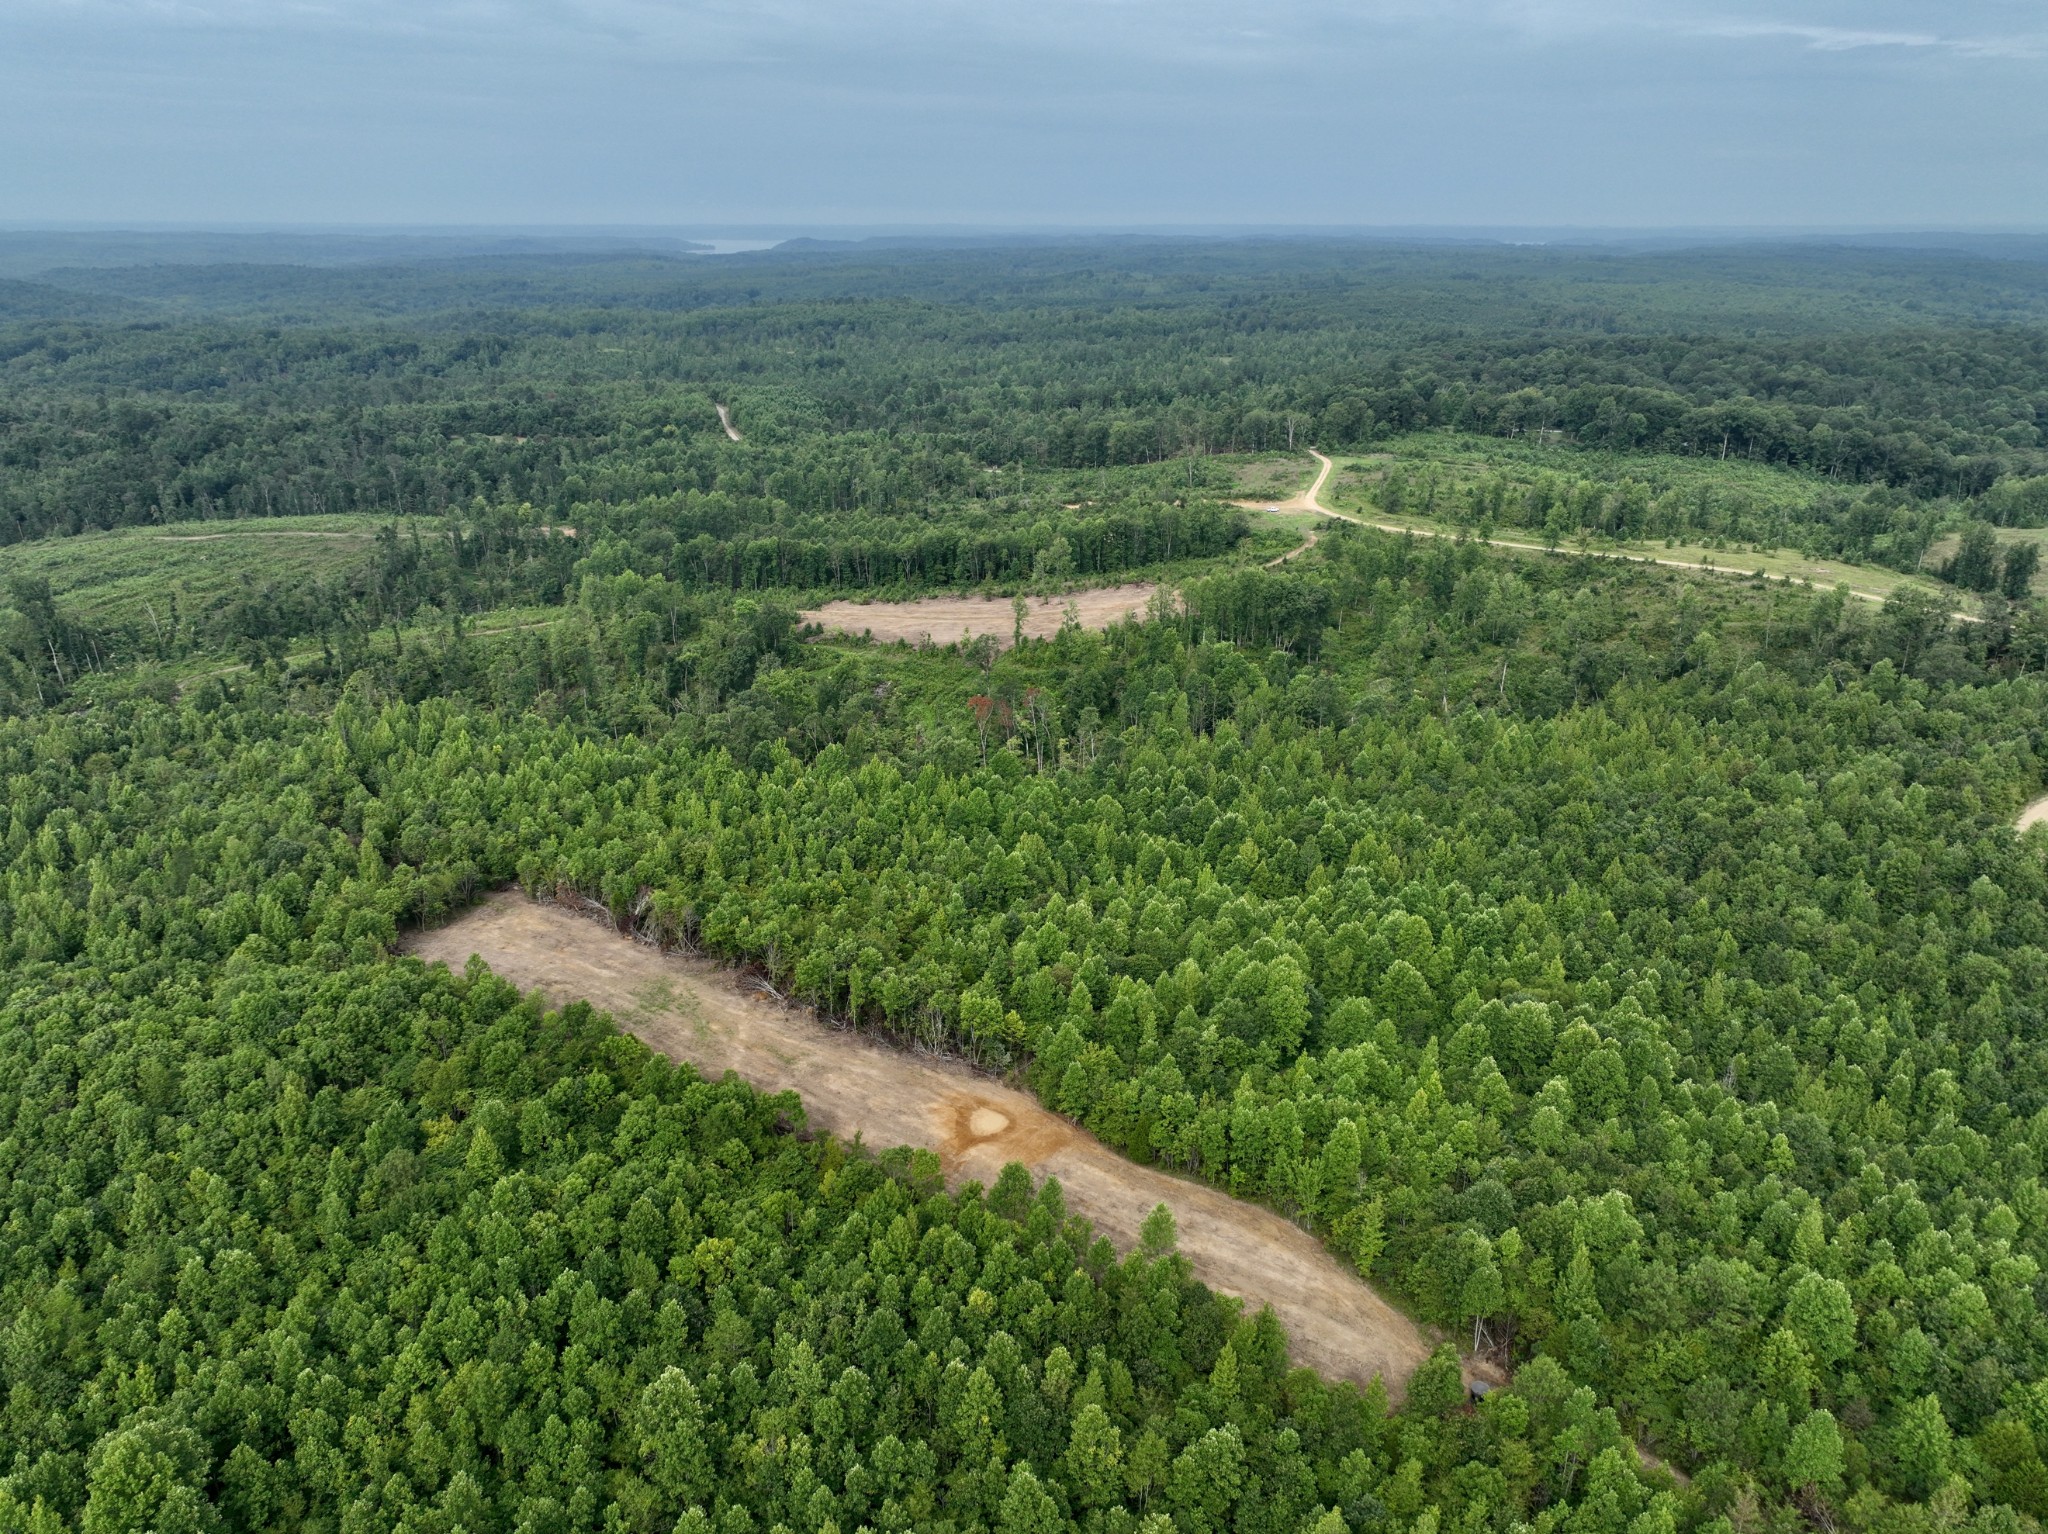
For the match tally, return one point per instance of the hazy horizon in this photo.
(799, 228)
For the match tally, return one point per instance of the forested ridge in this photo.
(1633, 973)
(1083, 358)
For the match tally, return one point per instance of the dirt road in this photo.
(725, 420)
(2035, 812)
(1308, 542)
(945, 619)
(1307, 501)
(694, 1010)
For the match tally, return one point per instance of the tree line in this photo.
(1676, 1039)
(909, 387)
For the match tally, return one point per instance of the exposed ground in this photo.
(1306, 500)
(2035, 812)
(725, 420)
(694, 1010)
(1792, 569)
(942, 620)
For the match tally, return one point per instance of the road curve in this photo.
(1308, 542)
(691, 1009)
(725, 420)
(1307, 501)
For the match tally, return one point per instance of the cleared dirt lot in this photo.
(942, 620)
(693, 1010)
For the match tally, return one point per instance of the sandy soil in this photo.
(942, 620)
(2033, 814)
(691, 1009)
(725, 420)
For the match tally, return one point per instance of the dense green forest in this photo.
(1633, 972)
(885, 385)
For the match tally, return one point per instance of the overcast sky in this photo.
(1113, 112)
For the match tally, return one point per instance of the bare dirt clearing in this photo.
(2033, 814)
(694, 1010)
(942, 620)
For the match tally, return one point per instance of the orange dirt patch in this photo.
(942, 620)
(855, 1088)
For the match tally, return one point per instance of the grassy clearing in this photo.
(1459, 462)
(1445, 466)
(1944, 549)
(1870, 581)
(114, 579)
(1267, 475)
(1462, 460)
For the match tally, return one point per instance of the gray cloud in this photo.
(1222, 34)
(1312, 111)
(1827, 39)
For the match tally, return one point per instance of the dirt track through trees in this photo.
(694, 1010)
(1309, 500)
(2033, 814)
(1308, 542)
(942, 620)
